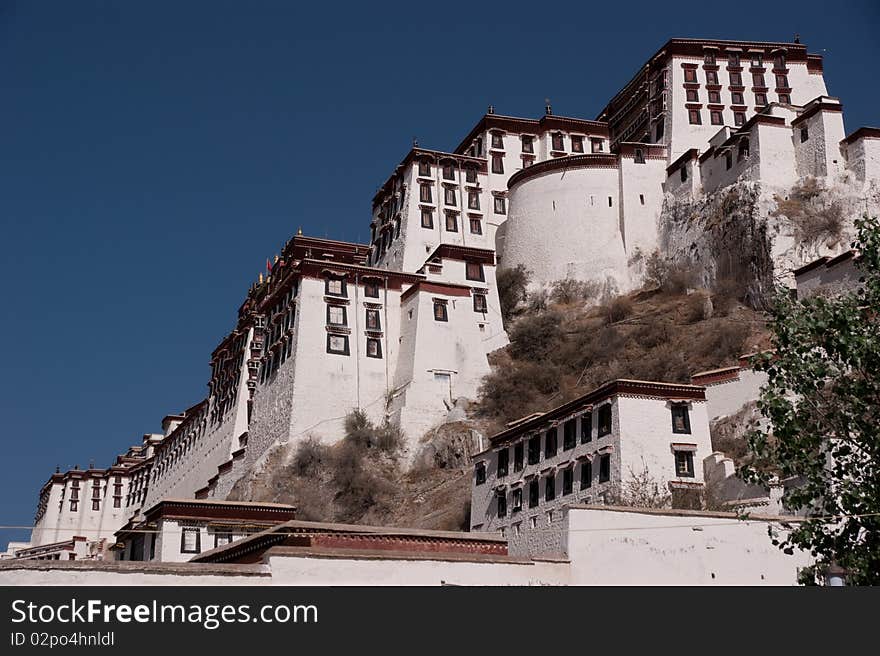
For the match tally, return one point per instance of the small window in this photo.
(497, 164)
(714, 96)
(567, 481)
(610, 202)
(757, 59)
(534, 450)
(517, 501)
(715, 117)
(374, 348)
(739, 118)
(473, 200)
(518, 457)
(642, 199)
(558, 141)
(569, 434)
(733, 59)
(737, 98)
(782, 81)
(681, 422)
(709, 58)
(427, 219)
(785, 99)
(449, 196)
(692, 95)
(440, 311)
(757, 79)
(683, 172)
(550, 488)
(684, 464)
(743, 150)
(500, 205)
(604, 426)
(586, 474)
(476, 226)
(424, 167)
(497, 140)
(448, 171)
(503, 462)
(96, 504)
(337, 344)
(373, 320)
(480, 473)
(736, 79)
(533, 496)
(711, 77)
(528, 144)
(335, 287)
(425, 194)
(474, 271)
(779, 61)
(550, 444)
(371, 289)
(502, 504)
(597, 145)
(694, 117)
(336, 315)
(690, 75)
(728, 160)
(451, 222)
(605, 468)
(639, 156)
(220, 539)
(191, 540)
(470, 174)
(577, 144)
(761, 99)
(480, 304)
(586, 427)
(805, 134)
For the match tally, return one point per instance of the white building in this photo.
(588, 451)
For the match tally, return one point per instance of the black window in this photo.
(684, 464)
(502, 504)
(558, 142)
(728, 160)
(476, 226)
(336, 315)
(449, 196)
(424, 167)
(191, 540)
(219, 539)
(335, 287)
(451, 222)
(737, 98)
(337, 344)
(805, 134)
(694, 116)
(448, 171)
(733, 59)
(480, 473)
(440, 311)
(690, 75)
(534, 450)
(779, 61)
(470, 174)
(758, 79)
(474, 271)
(711, 77)
(739, 118)
(692, 95)
(427, 219)
(503, 462)
(517, 499)
(374, 347)
(371, 289)
(497, 164)
(605, 468)
(533, 494)
(518, 457)
(743, 150)
(604, 427)
(586, 427)
(714, 97)
(715, 117)
(569, 434)
(373, 320)
(761, 99)
(736, 79)
(550, 446)
(550, 488)
(757, 59)
(425, 194)
(528, 144)
(567, 480)
(586, 474)
(577, 144)
(684, 173)
(480, 303)
(473, 200)
(499, 206)
(681, 422)
(782, 81)
(709, 57)
(597, 145)
(639, 156)
(497, 140)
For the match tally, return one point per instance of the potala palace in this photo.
(402, 327)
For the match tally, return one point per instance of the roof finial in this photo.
(415, 142)
(797, 38)
(491, 109)
(299, 231)
(548, 108)
(57, 469)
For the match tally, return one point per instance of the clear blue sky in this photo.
(152, 155)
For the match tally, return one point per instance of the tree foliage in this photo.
(823, 402)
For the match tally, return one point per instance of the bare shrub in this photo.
(813, 216)
(569, 290)
(361, 432)
(512, 285)
(534, 336)
(696, 307)
(641, 490)
(310, 454)
(669, 277)
(618, 309)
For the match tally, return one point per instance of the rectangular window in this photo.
(440, 311)
(528, 144)
(451, 222)
(191, 540)
(448, 171)
(690, 75)
(449, 196)
(517, 499)
(480, 304)
(569, 434)
(728, 160)
(711, 77)
(473, 200)
(374, 347)
(586, 427)
(761, 99)
(476, 226)
(474, 271)
(736, 79)
(757, 59)
(779, 61)
(683, 173)
(480, 473)
(336, 315)
(337, 344)
(96, 504)
(550, 488)
(739, 118)
(221, 539)
(709, 58)
(684, 464)
(425, 194)
(371, 289)
(605, 468)
(425, 168)
(577, 144)
(785, 99)
(503, 462)
(117, 502)
(567, 481)
(499, 206)
(502, 504)
(737, 98)
(334, 287)
(373, 320)
(427, 219)
(518, 457)
(74, 505)
(692, 95)
(715, 117)
(550, 445)
(782, 81)
(534, 450)
(681, 422)
(558, 141)
(497, 140)
(714, 96)
(694, 117)
(604, 427)
(597, 145)
(497, 164)
(805, 134)
(586, 474)
(533, 494)
(733, 59)
(757, 79)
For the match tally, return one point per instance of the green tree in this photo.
(822, 400)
